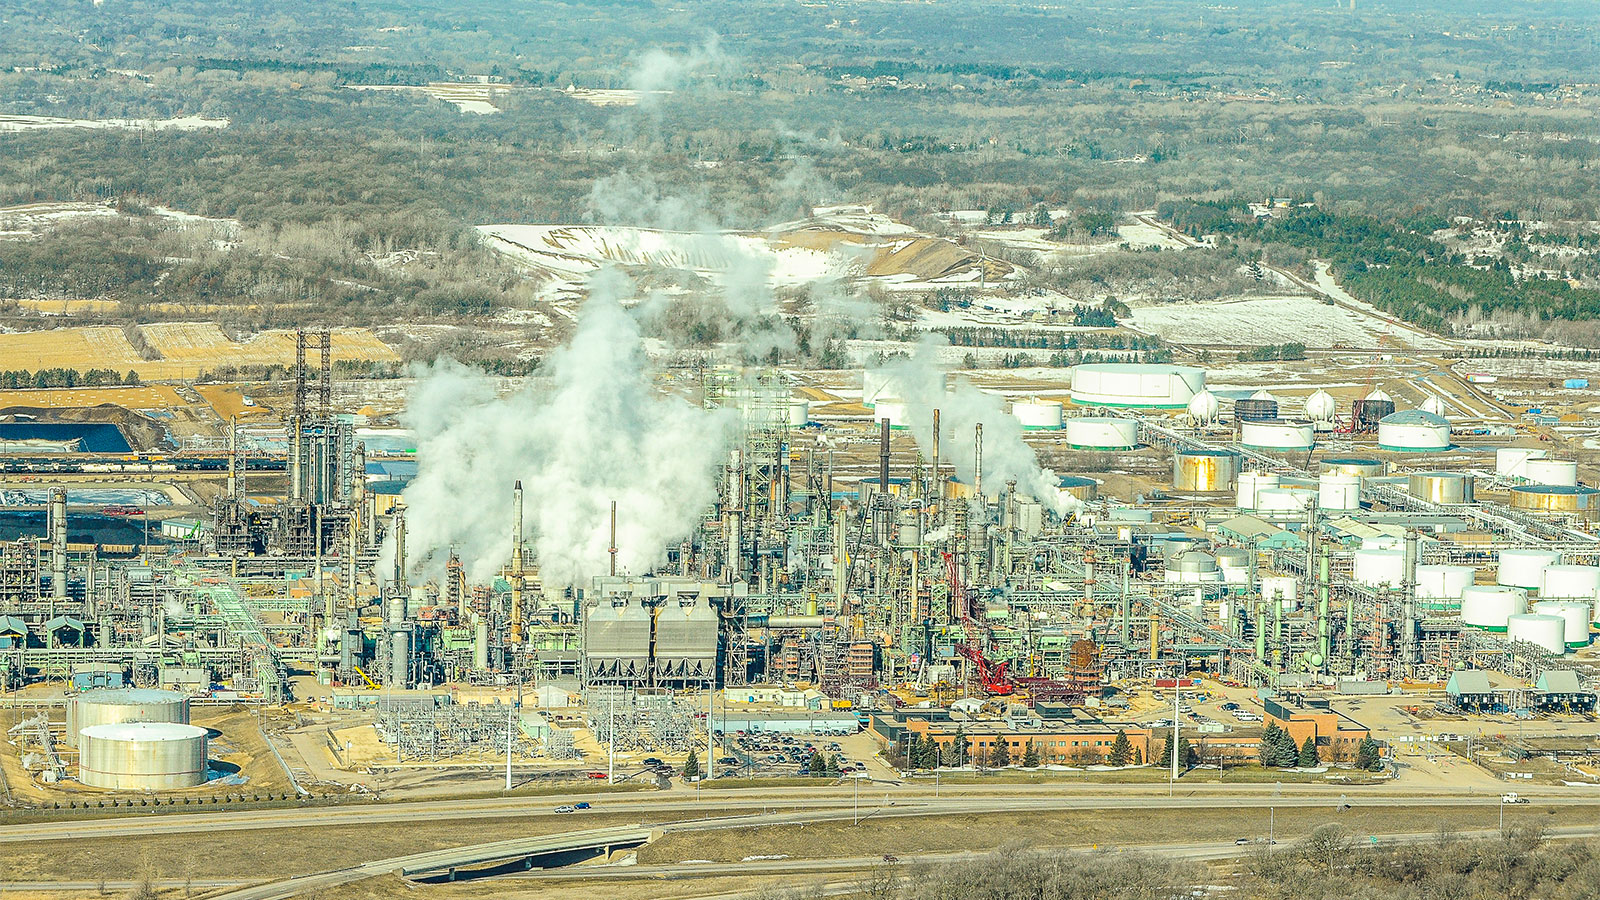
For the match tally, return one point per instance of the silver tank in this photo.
(109, 706)
(142, 756)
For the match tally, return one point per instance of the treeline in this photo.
(1273, 352)
(1046, 340)
(12, 379)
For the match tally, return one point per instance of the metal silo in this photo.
(114, 705)
(686, 640)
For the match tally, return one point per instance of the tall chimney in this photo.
(613, 538)
(977, 463)
(400, 545)
(883, 456)
(516, 563)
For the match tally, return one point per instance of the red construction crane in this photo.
(992, 675)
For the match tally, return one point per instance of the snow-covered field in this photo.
(11, 123)
(1262, 320)
(567, 251)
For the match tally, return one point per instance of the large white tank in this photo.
(142, 756)
(1551, 471)
(1570, 583)
(1338, 491)
(1203, 407)
(1434, 404)
(1524, 568)
(1548, 632)
(1102, 433)
(1235, 564)
(1513, 461)
(1413, 430)
(1277, 434)
(1489, 606)
(1038, 415)
(1439, 587)
(1575, 616)
(1280, 588)
(1251, 484)
(799, 413)
(1136, 385)
(109, 706)
(1193, 567)
(1284, 502)
(1321, 407)
(896, 411)
(1379, 568)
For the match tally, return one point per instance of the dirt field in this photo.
(148, 396)
(228, 401)
(186, 349)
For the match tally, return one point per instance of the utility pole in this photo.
(1173, 780)
(511, 731)
(611, 742)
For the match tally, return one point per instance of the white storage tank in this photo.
(799, 413)
(1548, 632)
(1570, 583)
(1203, 407)
(1280, 588)
(142, 756)
(1574, 614)
(1136, 385)
(109, 706)
(1551, 471)
(1321, 407)
(1338, 491)
(1251, 484)
(1277, 434)
(896, 411)
(1513, 461)
(1038, 415)
(1284, 502)
(1379, 568)
(1193, 567)
(1235, 563)
(1102, 433)
(1524, 568)
(1439, 587)
(1413, 430)
(1490, 606)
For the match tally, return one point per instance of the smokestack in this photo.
(516, 563)
(883, 457)
(977, 463)
(58, 542)
(935, 485)
(233, 459)
(613, 538)
(399, 515)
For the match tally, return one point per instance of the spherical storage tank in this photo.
(1574, 615)
(1440, 487)
(1551, 471)
(1439, 587)
(1251, 484)
(1321, 407)
(1548, 632)
(1037, 415)
(1379, 568)
(113, 705)
(1102, 433)
(1136, 385)
(1489, 607)
(1277, 434)
(1413, 430)
(142, 756)
(1204, 470)
(1338, 491)
(1524, 568)
(1203, 407)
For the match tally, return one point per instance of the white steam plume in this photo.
(598, 431)
(659, 71)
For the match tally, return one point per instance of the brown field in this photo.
(186, 349)
(147, 396)
(69, 307)
(228, 401)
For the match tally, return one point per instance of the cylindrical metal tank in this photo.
(896, 411)
(1489, 606)
(1204, 470)
(1282, 502)
(1413, 431)
(1379, 568)
(142, 756)
(1338, 491)
(1192, 567)
(1551, 471)
(1083, 488)
(1277, 434)
(1524, 568)
(1513, 461)
(1102, 433)
(1038, 415)
(1281, 589)
(799, 413)
(1440, 487)
(1439, 587)
(1549, 632)
(110, 706)
(1556, 499)
(1250, 484)
(1235, 564)
(1570, 583)
(1574, 615)
(1136, 385)
(1371, 409)
(1254, 409)
(1354, 465)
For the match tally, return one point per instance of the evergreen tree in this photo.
(1138, 756)
(1001, 757)
(1030, 756)
(1368, 755)
(1121, 750)
(691, 766)
(1308, 753)
(960, 749)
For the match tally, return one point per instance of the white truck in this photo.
(1512, 798)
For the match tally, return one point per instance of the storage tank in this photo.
(1321, 407)
(1434, 404)
(1379, 568)
(1551, 471)
(1570, 583)
(142, 756)
(799, 413)
(686, 640)
(1235, 565)
(877, 383)
(1038, 415)
(110, 706)
(1281, 589)
(1524, 568)
(1277, 434)
(1513, 461)
(1574, 615)
(1371, 409)
(1204, 470)
(1366, 467)
(1193, 567)
(1283, 503)
(1338, 491)
(1255, 409)
(1084, 489)
(1556, 499)
(1203, 407)
(1102, 433)
(1440, 487)
(1489, 606)
(1548, 632)
(896, 411)
(1439, 587)
(1251, 484)
(1136, 385)
(1412, 431)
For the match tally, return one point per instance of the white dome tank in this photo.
(1338, 491)
(1263, 394)
(1251, 484)
(1549, 632)
(1038, 415)
(1102, 433)
(1282, 588)
(1378, 396)
(1574, 614)
(1413, 430)
(1489, 606)
(142, 756)
(1433, 405)
(1282, 502)
(896, 411)
(1136, 385)
(1277, 434)
(1203, 407)
(1439, 587)
(1379, 568)
(1570, 583)
(1551, 471)
(1321, 407)
(1513, 461)
(1524, 568)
